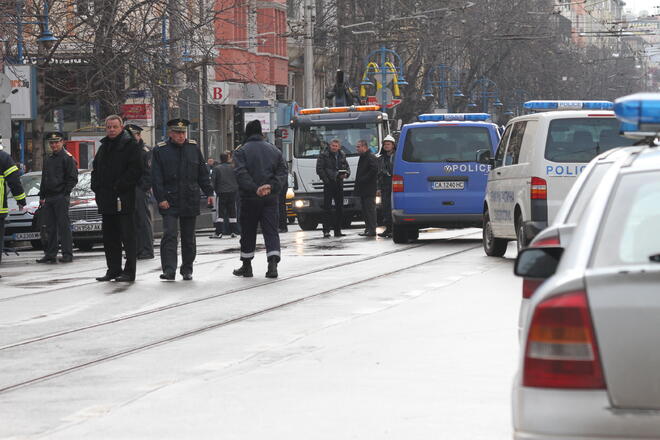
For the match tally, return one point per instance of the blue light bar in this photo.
(641, 110)
(568, 105)
(437, 117)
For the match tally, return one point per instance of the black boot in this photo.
(272, 267)
(245, 270)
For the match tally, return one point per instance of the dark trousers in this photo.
(144, 224)
(369, 213)
(281, 205)
(55, 217)
(254, 211)
(333, 216)
(169, 243)
(2, 234)
(227, 221)
(386, 208)
(118, 233)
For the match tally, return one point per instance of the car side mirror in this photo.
(483, 156)
(538, 262)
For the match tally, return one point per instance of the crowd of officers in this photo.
(249, 185)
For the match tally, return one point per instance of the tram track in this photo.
(215, 325)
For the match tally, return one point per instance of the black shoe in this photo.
(123, 278)
(107, 277)
(326, 235)
(216, 236)
(167, 276)
(272, 268)
(145, 257)
(48, 260)
(65, 259)
(244, 271)
(339, 234)
(187, 276)
(282, 230)
(367, 234)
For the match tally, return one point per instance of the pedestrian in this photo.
(260, 172)
(385, 171)
(283, 225)
(178, 172)
(58, 178)
(116, 170)
(226, 190)
(332, 167)
(9, 179)
(143, 200)
(366, 184)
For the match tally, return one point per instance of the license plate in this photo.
(345, 202)
(86, 227)
(452, 184)
(19, 236)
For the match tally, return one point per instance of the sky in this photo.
(640, 5)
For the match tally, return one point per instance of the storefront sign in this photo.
(264, 118)
(139, 114)
(252, 103)
(225, 93)
(24, 100)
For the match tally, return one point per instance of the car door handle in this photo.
(499, 173)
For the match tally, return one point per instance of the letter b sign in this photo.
(217, 92)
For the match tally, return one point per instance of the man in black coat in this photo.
(143, 200)
(117, 167)
(261, 173)
(366, 184)
(178, 171)
(332, 168)
(385, 172)
(226, 189)
(58, 178)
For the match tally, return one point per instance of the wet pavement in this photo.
(358, 338)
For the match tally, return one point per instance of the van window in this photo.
(310, 140)
(513, 151)
(499, 155)
(445, 143)
(582, 139)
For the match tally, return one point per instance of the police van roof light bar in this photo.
(640, 115)
(540, 106)
(438, 117)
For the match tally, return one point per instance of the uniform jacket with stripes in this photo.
(9, 179)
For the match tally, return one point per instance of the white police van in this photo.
(537, 161)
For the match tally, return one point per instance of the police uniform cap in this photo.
(134, 128)
(178, 124)
(54, 136)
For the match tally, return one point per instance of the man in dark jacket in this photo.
(226, 190)
(178, 171)
(9, 177)
(366, 183)
(332, 167)
(117, 167)
(143, 200)
(261, 173)
(385, 171)
(58, 178)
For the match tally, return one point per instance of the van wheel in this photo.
(307, 223)
(36, 244)
(85, 246)
(413, 234)
(399, 234)
(494, 247)
(520, 234)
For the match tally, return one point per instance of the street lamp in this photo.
(440, 76)
(384, 72)
(486, 90)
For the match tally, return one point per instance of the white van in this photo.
(537, 161)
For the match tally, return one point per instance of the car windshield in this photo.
(83, 188)
(582, 139)
(629, 235)
(445, 143)
(310, 140)
(587, 191)
(31, 184)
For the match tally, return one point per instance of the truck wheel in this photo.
(346, 222)
(399, 234)
(85, 246)
(307, 223)
(494, 247)
(291, 220)
(413, 234)
(37, 244)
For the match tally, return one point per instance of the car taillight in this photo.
(561, 347)
(539, 189)
(548, 241)
(529, 286)
(397, 183)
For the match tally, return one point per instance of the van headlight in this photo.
(301, 203)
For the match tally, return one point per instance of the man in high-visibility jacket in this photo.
(9, 177)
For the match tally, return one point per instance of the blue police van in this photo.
(440, 173)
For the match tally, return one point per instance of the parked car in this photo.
(23, 225)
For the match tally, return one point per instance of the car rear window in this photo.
(629, 234)
(582, 139)
(586, 192)
(445, 143)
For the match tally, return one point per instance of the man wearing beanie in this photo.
(261, 174)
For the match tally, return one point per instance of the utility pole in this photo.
(309, 56)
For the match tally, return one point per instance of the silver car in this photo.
(23, 225)
(590, 365)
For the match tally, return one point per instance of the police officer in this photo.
(366, 183)
(261, 173)
(58, 178)
(385, 170)
(332, 168)
(143, 200)
(8, 177)
(178, 171)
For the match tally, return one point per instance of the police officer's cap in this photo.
(178, 124)
(134, 128)
(54, 136)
